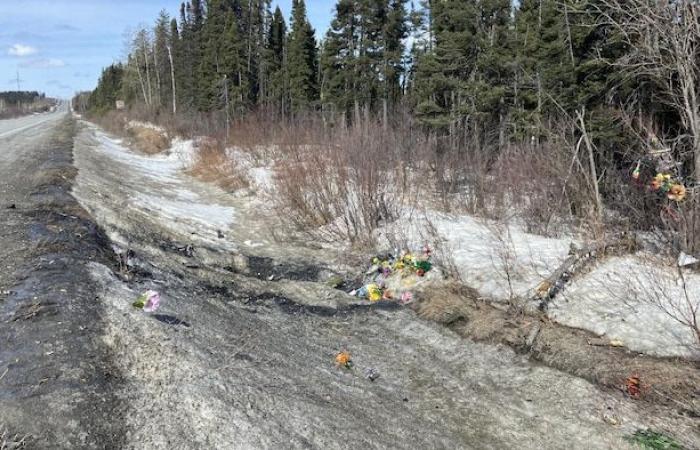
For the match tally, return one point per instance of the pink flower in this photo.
(406, 297)
(152, 301)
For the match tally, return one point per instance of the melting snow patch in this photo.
(624, 298)
(178, 211)
(632, 299)
(155, 184)
(496, 260)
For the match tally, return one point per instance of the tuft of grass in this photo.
(148, 140)
(213, 165)
(648, 439)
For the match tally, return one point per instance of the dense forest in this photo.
(614, 79)
(17, 103)
(14, 98)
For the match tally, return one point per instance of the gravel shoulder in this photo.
(57, 379)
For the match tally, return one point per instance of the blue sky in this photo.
(60, 46)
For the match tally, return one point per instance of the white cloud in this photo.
(43, 63)
(21, 50)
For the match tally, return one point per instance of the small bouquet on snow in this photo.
(149, 301)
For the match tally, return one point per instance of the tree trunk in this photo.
(172, 78)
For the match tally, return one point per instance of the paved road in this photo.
(56, 383)
(232, 360)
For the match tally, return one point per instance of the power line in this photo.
(19, 88)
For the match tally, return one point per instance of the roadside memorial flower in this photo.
(661, 182)
(375, 294)
(406, 298)
(633, 385)
(149, 301)
(677, 192)
(343, 359)
(637, 172)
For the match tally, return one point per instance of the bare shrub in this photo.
(543, 185)
(681, 224)
(669, 292)
(148, 140)
(340, 183)
(113, 121)
(212, 164)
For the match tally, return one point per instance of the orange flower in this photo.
(342, 359)
(677, 192)
(633, 385)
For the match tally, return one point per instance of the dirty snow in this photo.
(153, 186)
(620, 298)
(614, 300)
(498, 261)
(147, 125)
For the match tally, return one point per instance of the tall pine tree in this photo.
(301, 60)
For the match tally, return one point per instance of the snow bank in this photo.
(156, 184)
(137, 124)
(624, 299)
(499, 261)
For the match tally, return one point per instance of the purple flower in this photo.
(152, 301)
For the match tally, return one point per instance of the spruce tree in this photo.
(339, 57)
(301, 60)
(161, 34)
(276, 48)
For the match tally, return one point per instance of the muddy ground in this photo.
(241, 353)
(57, 383)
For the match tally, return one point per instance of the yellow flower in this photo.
(375, 294)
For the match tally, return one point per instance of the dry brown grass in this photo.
(213, 165)
(148, 140)
(145, 139)
(667, 381)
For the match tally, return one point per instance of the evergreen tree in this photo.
(442, 74)
(210, 73)
(301, 60)
(339, 57)
(108, 90)
(395, 32)
(187, 58)
(161, 60)
(276, 48)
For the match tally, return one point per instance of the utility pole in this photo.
(18, 82)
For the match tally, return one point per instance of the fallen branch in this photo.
(578, 260)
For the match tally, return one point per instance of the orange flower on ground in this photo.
(633, 385)
(677, 192)
(342, 359)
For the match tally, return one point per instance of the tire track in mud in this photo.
(59, 380)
